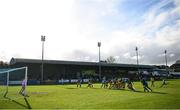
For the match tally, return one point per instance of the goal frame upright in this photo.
(8, 73)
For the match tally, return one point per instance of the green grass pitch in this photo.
(70, 97)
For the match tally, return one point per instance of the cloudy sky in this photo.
(73, 28)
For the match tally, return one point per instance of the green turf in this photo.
(68, 96)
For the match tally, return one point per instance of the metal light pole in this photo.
(165, 57)
(165, 52)
(42, 63)
(137, 58)
(99, 45)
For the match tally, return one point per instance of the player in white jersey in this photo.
(22, 91)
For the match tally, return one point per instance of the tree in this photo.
(3, 64)
(111, 59)
(89, 73)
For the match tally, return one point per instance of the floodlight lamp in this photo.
(43, 38)
(99, 44)
(136, 48)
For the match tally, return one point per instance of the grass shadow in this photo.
(154, 92)
(118, 89)
(27, 103)
(158, 92)
(95, 88)
(83, 88)
(28, 106)
(71, 88)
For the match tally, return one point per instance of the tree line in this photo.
(3, 64)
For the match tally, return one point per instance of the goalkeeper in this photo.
(22, 91)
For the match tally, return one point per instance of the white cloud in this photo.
(73, 29)
(167, 36)
(23, 22)
(171, 55)
(177, 2)
(155, 32)
(127, 55)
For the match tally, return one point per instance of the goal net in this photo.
(11, 81)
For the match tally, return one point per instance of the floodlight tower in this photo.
(165, 54)
(42, 63)
(137, 58)
(99, 45)
(165, 57)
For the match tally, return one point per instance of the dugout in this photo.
(57, 69)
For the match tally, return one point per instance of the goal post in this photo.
(4, 76)
(13, 77)
(7, 84)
